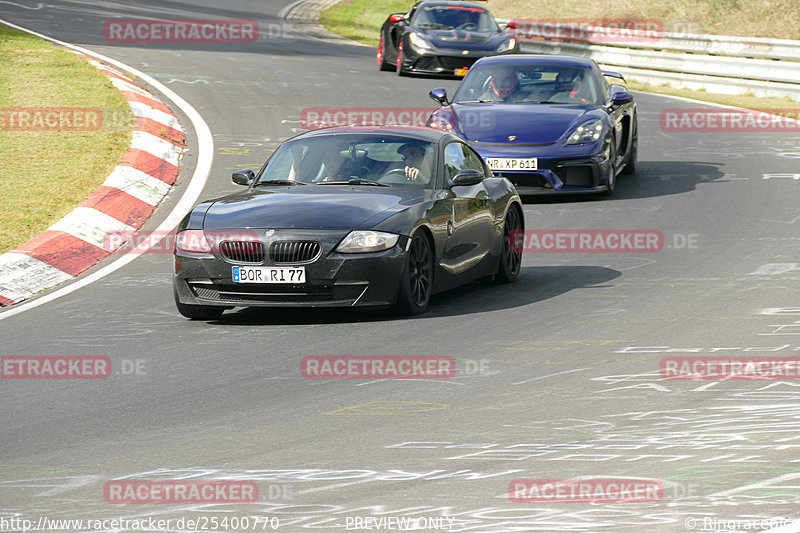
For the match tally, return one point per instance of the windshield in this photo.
(387, 159)
(455, 18)
(529, 84)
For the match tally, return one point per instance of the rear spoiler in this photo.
(613, 75)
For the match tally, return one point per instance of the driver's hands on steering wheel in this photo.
(411, 173)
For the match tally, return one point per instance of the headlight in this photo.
(506, 46)
(192, 241)
(588, 132)
(358, 242)
(441, 119)
(418, 42)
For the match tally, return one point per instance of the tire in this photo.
(416, 283)
(510, 260)
(197, 312)
(400, 71)
(381, 57)
(630, 167)
(611, 181)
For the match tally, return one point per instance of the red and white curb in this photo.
(122, 203)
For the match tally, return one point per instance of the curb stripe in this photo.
(188, 198)
(159, 130)
(150, 164)
(138, 184)
(63, 252)
(131, 96)
(89, 225)
(17, 271)
(160, 148)
(121, 204)
(141, 110)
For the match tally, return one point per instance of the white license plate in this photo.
(509, 163)
(269, 274)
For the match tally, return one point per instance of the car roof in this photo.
(536, 59)
(422, 133)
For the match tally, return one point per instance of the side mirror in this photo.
(468, 176)
(440, 95)
(243, 177)
(620, 95)
(397, 17)
(512, 25)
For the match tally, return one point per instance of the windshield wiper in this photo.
(280, 182)
(355, 181)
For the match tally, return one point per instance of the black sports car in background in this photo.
(440, 37)
(350, 216)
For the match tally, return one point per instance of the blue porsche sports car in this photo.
(548, 123)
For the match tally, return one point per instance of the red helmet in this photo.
(504, 84)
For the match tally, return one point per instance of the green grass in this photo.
(361, 20)
(45, 174)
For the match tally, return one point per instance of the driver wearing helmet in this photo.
(504, 86)
(570, 88)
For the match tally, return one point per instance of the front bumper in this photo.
(557, 173)
(332, 279)
(443, 61)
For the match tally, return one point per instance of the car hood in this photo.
(310, 207)
(530, 123)
(457, 38)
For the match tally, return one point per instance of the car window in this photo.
(389, 159)
(458, 156)
(455, 18)
(530, 84)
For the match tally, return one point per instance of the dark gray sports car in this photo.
(441, 37)
(350, 216)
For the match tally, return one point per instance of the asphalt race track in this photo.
(557, 376)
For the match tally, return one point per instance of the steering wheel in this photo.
(392, 177)
(469, 26)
